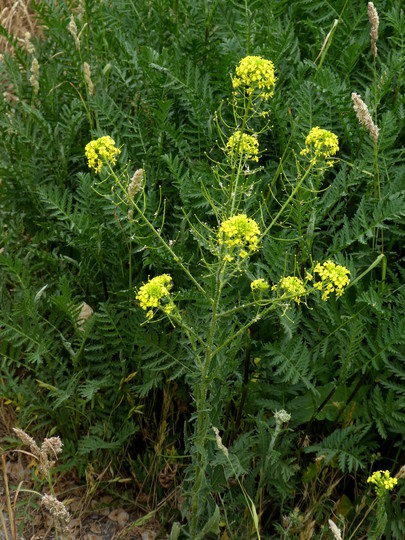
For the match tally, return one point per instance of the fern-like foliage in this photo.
(160, 71)
(347, 448)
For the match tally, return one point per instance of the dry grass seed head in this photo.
(73, 31)
(135, 184)
(335, 530)
(87, 77)
(364, 117)
(28, 441)
(52, 447)
(57, 510)
(47, 454)
(34, 79)
(374, 22)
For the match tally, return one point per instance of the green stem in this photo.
(364, 517)
(235, 175)
(234, 310)
(201, 400)
(130, 262)
(265, 464)
(377, 184)
(244, 387)
(287, 202)
(10, 510)
(175, 257)
(246, 326)
(3, 524)
(247, 28)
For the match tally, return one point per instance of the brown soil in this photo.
(93, 516)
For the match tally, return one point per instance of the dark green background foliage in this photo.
(160, 70)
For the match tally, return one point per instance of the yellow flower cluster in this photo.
(293, 286)
(334, 278)
(255, 73)
(100, 151)
(239, 232)
(382, 482)
(241, 144)
(260, 285)
(320, 143)
(151, 294)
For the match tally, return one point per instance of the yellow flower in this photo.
(382, 482)
(260, 285)
(334, 278)
(241, 144)
(293, 286)
(243, 254)
(100, 151)
(320, 144)
(239, 232)
(150, 294)
(255, 73)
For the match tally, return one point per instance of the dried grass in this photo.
(18, 19)
(7, 417)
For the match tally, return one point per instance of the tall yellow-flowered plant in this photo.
(233, 243)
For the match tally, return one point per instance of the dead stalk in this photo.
(11, 514)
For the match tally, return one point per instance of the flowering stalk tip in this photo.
(151, 294)
(320, 144)
(243, 145)
(101, 151)
(292, 286)
(383, 482)
(255, 74)
(282, 417)
(239, 233)
(333, 278)
(260, 285)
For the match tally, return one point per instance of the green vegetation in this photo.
(201, 265)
